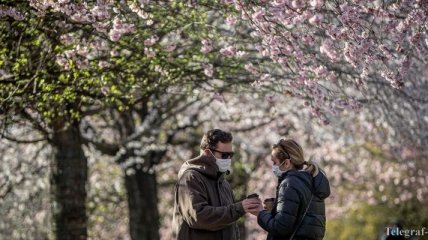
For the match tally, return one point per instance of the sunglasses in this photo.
(224, 154)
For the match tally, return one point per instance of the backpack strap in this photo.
(306, 210)
(301, 220)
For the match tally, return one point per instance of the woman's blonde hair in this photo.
(290, 149)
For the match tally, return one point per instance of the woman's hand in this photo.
(268, 204)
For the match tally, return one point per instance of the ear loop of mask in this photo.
(212, 153)
(281, 163)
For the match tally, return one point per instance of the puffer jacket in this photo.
(293, 195)
(204, 207)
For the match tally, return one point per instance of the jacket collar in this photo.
(204, 164)
(285, 174)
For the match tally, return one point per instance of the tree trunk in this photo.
(68, 182)
(142, 201)
(141, 187)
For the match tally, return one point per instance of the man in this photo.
(204, 207)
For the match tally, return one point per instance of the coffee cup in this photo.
(253, 195)
(268, 204)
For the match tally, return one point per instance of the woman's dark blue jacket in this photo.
(293, 194)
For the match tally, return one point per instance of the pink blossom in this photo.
(11, 12)
(228, 51)
(100, 12)
(364, 74)
(82, 63)
(82, 51)
(61, 61)
(101, 27)
(274, 52)
(170, 48)
(208, 70)
(149, 52)
(89, 18)
(385, 51)
(308, 39)
(320, 70)
(316, 111)
(258, 15)
(279, 3)
(206, 46)
(327, 49)
(114, 53)
(405, 65)
(299, 19)
(69, 53)
(394, 79)
(77, 17)
(271, 99)
(298, 53)
(66, 39)
(265, 52)
(231, 20)
(286, 49)
(104, 64)
(417, 16)
(316, 19)
(415, 38)
(332, 31)
(114, 35)
(150, 41)
(241, 54)
(283, 62)
(218, 97)
(350, 54)
(250, 68)
(402, 26)
(265, 77)
(341, 104)
(122, 27)
(297, 4)
(331, 76)
(316, 3)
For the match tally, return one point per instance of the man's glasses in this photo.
(224, 154)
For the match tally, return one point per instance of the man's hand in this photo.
(252, 205)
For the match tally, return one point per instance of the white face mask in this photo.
(224, 165)
(278, 172)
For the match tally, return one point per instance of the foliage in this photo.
(365, 221)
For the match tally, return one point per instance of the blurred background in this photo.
(375, 181)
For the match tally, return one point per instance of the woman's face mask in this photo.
(275, 169)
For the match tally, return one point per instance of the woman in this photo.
(299, 210)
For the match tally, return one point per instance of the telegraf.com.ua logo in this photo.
(406, 233)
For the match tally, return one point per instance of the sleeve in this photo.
(195, 210)
(287, 211)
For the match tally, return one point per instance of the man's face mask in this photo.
(225, 162)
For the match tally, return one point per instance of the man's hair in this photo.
(213, 136)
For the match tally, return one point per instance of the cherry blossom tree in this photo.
(334, 54)
(81, 59)
(140, 82)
